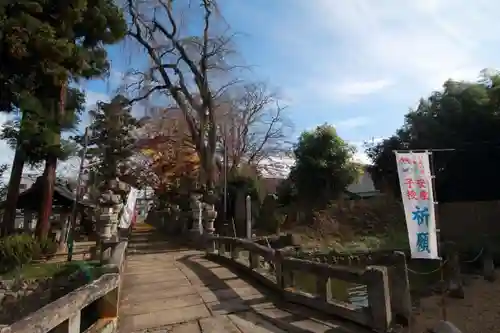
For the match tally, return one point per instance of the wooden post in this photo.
(455, 286)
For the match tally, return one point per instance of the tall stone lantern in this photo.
(209, 213)
(109, 204)
(196, 207)
(108, 218)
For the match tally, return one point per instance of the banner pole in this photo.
(438, 235)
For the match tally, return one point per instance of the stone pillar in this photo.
(114, 221)
(240, 214)
(109, 203)
(210, 216)
(197, 211)
(105, 223)
(248, 207)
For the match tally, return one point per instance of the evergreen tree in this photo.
(323, 166)
(45, 45)
(112, 139)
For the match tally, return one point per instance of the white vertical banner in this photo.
(128, 209)
(415, 179)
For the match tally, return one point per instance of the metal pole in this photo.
(438, 235)
(77, 195)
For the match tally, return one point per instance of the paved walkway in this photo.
(168, 288)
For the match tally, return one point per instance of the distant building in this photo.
(363, 188)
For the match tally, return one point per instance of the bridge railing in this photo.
(278, 272)
(65, 315)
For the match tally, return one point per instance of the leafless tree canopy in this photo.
(188, 52)
(253, 126)
(191, 66)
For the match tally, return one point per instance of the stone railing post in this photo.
(488, 263)
(400, 287)
(379, 299)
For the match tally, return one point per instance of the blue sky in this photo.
(357, 64)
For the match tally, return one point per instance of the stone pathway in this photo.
(168, 288)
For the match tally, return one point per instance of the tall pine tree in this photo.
(46, 45)
(112, 140)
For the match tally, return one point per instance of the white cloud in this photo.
(361, 157)
(353, 123)
(93, 97)
(358, 88)
(417, 44)
(345, 91)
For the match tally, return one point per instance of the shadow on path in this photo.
(265, 310)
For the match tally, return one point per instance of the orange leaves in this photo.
(168, 145)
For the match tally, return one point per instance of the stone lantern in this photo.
(108, 219)
(196, 207)
(209, 213)
(109, 203)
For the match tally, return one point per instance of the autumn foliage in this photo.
(172, 155)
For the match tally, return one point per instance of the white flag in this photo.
(128, 209)
(415, 179)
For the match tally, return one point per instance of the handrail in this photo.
(64, 315)
(378, 314)
(65, 312)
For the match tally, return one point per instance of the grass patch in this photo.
(312, 240)
(34, 271)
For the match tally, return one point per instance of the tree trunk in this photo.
(49, 178)
(9, 215)
(49, 174)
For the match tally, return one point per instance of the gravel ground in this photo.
(478, 312)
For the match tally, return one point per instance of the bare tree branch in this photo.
(185, 67)
(252, 124)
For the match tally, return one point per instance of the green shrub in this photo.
(16, 251)
(48, 247)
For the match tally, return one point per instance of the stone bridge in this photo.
(231, 285)
(172, 289)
